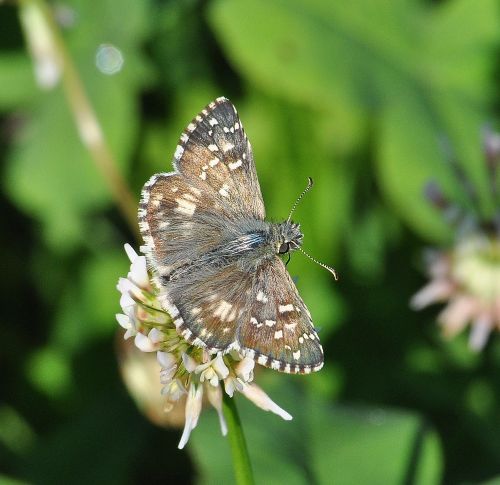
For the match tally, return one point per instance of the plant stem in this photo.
(89, 128)
(241, 461)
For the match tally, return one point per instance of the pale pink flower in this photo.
(467, 279)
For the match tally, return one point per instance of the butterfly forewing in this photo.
(176, 223)
(215, 154)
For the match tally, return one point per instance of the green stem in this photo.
(37, 14)
(241, 461)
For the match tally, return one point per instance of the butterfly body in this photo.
(215, 259)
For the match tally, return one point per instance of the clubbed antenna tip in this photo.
(310, 183)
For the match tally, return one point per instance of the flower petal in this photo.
(139, 272)
(143, 343)
(456, 315)
(244, 369)
(220, 367)
(156, 336)
(124, 321)
(480, 331)
(166, 359)
(189, 363)
(255, 394)
(132, 255)
(126, 302)
(214, 394)
(435, 291)
(193, 410)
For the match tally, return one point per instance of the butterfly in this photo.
(215, 259)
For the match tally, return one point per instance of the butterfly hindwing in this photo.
(260, 314)
(211, 301)
(277, 330)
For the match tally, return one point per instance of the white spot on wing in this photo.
(296, 355)
(223, 310)
(213, 148)
(235, 165)
(224, 191)
(278, 334)
(185, 207)
(261, 297)
(285, 308)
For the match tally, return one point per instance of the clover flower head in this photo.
(466, 276)
(186, 370)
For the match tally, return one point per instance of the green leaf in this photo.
(356, 445)
(323, 443)
(401, 61)
(87, 307)
(16, 79)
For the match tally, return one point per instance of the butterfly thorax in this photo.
(264, 241)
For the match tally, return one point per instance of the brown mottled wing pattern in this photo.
(186, 216)
(215, 183)
(277, 329)
(187, 213)
(215, 155)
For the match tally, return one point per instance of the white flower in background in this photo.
(186, 370)
(466, 276)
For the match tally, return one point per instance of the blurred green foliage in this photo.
(358, 95)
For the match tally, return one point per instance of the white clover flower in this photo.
(185, 369)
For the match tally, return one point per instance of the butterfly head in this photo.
(289, 237)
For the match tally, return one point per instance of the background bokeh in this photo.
(358, 95)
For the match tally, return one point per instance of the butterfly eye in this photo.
(284, 248)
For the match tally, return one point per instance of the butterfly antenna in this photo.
(334, 273)
(310, 183)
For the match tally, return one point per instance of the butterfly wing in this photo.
(260, 313)
(276, 328)
(189, 212)
(185, 213)
(215, 155)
